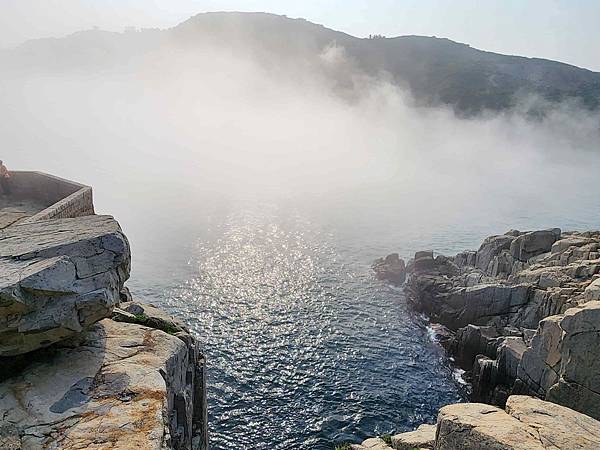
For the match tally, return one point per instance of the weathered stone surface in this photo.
(58, 277)
(509, 355)
(563, 363)
(490, 249)
(556, 426)
(476, 426)
(422, 437)
(527, 424)
(592, 292)
(391, 268)
(570, 241)
(534, 243)
(116, 386)
(457, 307)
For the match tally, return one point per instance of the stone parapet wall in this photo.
(78, 204)
(64, 198)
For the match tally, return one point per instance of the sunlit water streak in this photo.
(305, 348)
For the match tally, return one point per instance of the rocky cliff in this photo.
(79, 368)
(522, 315)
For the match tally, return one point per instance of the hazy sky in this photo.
(564, 30)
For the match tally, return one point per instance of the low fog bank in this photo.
(174, 133)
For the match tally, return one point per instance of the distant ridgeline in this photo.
(436, 71)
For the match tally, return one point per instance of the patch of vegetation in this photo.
(143, 319)
(345, 446)
(170, 329)
(387, 438)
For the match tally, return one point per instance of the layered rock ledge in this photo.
(78, 368)
(58, 277)
(520, 313)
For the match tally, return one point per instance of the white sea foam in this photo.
(431, 334)
(458, 375)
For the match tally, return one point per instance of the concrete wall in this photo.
(63, 198)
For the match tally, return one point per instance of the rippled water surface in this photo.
(305, 348)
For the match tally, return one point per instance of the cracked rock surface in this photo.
(116, 386)
(562, 364)
(57, 278)
(527, 424)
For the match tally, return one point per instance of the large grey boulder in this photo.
(117, 386)
(527, 424)
(477, 426)
(57, 278)
(534, 243)
(570, 241)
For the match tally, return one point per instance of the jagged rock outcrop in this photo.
(520, 312)
(118, 386)
(391, 268)
(57, 278)
(527, 424)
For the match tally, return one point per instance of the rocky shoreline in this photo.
(82, 365)
(521, 315)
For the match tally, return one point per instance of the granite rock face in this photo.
(562, 364)
(528, 245)
(58, 277)
(469, 426)
(520, 313)
(527, 424)
(116, 386)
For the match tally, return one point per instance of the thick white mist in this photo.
(164, 134)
